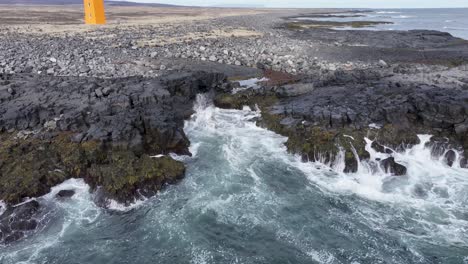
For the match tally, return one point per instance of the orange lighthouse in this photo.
(94, 12)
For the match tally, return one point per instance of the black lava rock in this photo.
(391, 166)
(450, 157)
(65, 194)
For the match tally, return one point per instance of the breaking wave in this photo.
(246, 200)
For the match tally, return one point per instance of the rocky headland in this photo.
(108, 105)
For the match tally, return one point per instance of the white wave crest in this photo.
(456, 28)
(116, 206)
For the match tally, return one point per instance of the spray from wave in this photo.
(246, 200)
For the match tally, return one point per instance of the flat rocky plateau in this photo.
(108, 103)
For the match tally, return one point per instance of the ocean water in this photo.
(451, 20)
(245, 200)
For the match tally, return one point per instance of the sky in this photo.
(322, 3)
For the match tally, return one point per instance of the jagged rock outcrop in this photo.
(17, 221)
(390, 166)
(319, 121)
(103, 130)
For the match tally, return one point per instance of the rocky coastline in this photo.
(109, 107)
(322, 121)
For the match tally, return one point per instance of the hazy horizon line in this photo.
(294, 5)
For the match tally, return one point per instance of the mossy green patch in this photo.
(248, 98)
(29, 167)
(394, 137)
(313, 143)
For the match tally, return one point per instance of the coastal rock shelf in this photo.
(102, 129)
(114, 133)
(322, 120)
(203, 135)
(117, 134)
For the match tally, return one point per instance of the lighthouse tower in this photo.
(94, 12)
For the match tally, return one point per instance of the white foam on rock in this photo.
(116, 206)
(437, 192)
(68, 215)
(430, 185)
(446, 187)
(78, 208)
(369, 181)
(234, 191)
(157, 156)
(78, 185)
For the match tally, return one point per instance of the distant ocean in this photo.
(452, 20)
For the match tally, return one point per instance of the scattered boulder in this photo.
(107, 133)
(383, 64)
(106, 91)
(50, 71)
(98, 93)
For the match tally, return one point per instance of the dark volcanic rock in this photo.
(425, 46)
(320, 118)
(404, 111)
(361, 105)
(137, 107)
(390, 166)
(450, 157)
(65, 194)
(343, 110)
(18, 220)
(55, 128)
(379, 148)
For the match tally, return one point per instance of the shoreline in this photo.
(100, 105)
